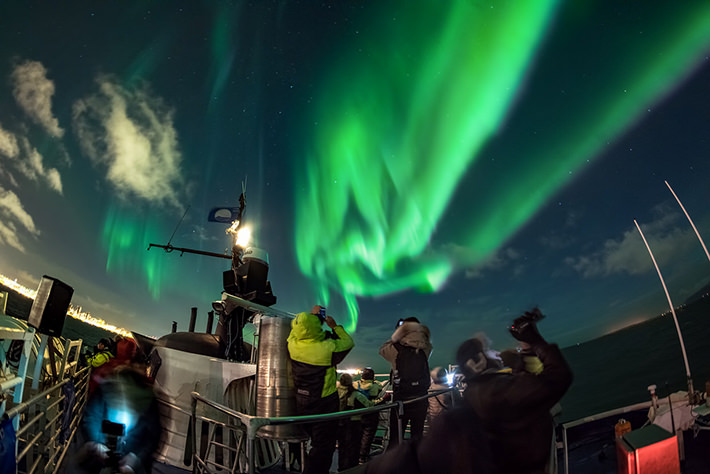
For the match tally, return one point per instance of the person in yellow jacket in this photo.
(101, 355)
(314, 354)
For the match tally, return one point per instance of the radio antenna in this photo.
(178, 225)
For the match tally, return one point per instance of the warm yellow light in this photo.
(350, 371)
(74, 312)
(243, 237)
(233, 228)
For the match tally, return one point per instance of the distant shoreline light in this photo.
(74, 312)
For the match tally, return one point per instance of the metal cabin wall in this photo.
(275, 391)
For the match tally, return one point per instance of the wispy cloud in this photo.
(23, 157)
(33, 92)
(8, 144)
(32, 166)
(628, 254)
(131, 135)
(15, 220)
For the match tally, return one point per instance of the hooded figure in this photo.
(313, 363)
(408, 353)
(514, 406)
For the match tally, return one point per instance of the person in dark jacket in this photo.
(125, 398)
(503, 426)
(375, 393)
(313, 362)
(350, 429)
(514, 407)
(408, 353)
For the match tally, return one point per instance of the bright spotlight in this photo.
(243, 237)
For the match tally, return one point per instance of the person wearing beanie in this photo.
(102, 354)
(350, 429)
(514, 405)
(373, 389)
(314, 356)
(408, 353)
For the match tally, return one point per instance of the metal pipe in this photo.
(174, 329)
(7, 384)
(22, 406)
(193, 319)
(210, 319)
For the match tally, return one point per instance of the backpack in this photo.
(411, 378)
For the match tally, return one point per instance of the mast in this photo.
(691, 391)
(689, 220)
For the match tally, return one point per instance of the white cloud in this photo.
(131, 134)
(33, 93)
(27, 160)
(31, 165)
(8, 144)
(13, 216)
(628, 254)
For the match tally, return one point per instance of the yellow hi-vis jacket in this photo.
(314, 356)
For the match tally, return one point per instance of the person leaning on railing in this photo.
(101, 355)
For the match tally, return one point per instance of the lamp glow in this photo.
(243, 237)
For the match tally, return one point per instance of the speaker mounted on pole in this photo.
(49, 309)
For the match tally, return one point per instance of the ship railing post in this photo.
(253, 425)
(564, 442)
(193, 426)
(400, 414)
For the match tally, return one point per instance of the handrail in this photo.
(39, 433)
(589, 419)
(254, 423)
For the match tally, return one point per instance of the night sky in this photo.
(455, 161)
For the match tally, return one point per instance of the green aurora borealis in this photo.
(395, 131)
(405, 109)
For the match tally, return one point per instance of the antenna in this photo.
(689, 220)
(675, 318)
(178, 225)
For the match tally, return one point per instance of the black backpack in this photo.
(411, 378)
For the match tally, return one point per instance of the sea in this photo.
(609, 372)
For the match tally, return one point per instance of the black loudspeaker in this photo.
(49, 309)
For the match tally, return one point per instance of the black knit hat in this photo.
(468, 358)
(368, 373)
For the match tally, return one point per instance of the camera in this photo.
(528, 318)
(113, 432)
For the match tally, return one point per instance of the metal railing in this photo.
(249, 426)
(47, 425)
(588, 419)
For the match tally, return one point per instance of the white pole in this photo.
(675, 318)
(690, 220)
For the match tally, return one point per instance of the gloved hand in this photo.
(97, 450)
(129, 464)
(524, 328)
